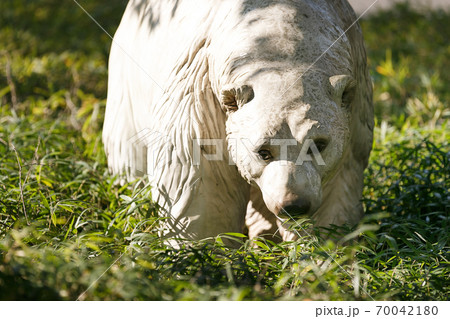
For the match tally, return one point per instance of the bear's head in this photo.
(289, 146)
(298, 105)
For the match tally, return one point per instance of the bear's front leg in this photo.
(260, 221)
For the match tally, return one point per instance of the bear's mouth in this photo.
(294, 212)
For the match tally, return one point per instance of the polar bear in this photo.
(241, 113)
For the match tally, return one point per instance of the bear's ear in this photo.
(343, 89)
(234, 97)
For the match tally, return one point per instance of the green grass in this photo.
(67, 227)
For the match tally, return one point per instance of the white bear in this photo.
(241, 113)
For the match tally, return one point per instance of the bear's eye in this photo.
(265, 155)
(320, 143)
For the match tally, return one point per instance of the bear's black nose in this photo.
(296, 210)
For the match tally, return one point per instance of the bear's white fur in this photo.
(187, 77)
